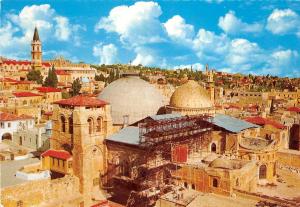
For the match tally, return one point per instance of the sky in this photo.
(257, 37)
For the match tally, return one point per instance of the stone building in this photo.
(190, 99)
(80, 124)
(131, 99)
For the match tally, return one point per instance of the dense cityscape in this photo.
(79, 134)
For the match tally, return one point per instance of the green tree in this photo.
(35, 75)
(100, 77)
(51, 79)
(76, 86)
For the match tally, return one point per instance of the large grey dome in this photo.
(131, 96)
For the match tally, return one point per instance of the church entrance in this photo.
(263, 172)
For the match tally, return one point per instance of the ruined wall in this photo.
(289, 158)
(58, 192)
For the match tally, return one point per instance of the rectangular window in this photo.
(8, 125)
(2, 125)
(69, 164)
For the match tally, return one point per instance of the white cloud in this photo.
(209, 46)
(18, 29)
(107, 53)
(137, 24)
(284, 21)
(145, 57)
(177, 29)
(195, 66)
(243, 54)
(233, 25)
(62, 28)
(281, 61)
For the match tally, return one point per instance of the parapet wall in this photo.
(289, 158)
(58, 192)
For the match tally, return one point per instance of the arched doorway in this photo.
(213, 147)
(7, 136)
(263, 172)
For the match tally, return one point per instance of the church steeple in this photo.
(36, 51)
(36, 35)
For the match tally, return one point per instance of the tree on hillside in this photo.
(100, 78)
(76, 86)
(51, 79)
(35, 75)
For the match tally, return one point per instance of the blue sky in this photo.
(258, 37)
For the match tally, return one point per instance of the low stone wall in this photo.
(60, 192)
(289, 158)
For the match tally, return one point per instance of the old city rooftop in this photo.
(60, 154)
(264, 121)
(48, 89)
(25, 94)
(81, 101)
(11, 117)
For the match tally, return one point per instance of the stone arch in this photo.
(90, 122)
(263, 172)
(99, 124)
(70, 125)
(96, 155)
(7, 136)
(63, 123)
(213, 147)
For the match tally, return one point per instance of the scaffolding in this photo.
(170, 130)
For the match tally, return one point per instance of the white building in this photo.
(10, 123)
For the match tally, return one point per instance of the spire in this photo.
(36, 35)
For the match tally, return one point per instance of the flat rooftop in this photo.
(9, 169)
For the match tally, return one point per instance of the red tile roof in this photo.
(24, 82)
(16, 62)
(60, 154)
(48, 113)
(47, 89)
(23, 62)
(9, 80)
(263, 121)
(12, 117)
(294, 109)
(46, 64)
(81, 100)
(61, 72)
(25, 94)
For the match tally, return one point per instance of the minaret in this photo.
(210, 83)
(36, 51)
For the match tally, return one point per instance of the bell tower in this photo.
(36, 51)
(80, 125)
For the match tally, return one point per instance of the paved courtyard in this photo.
(9, 168)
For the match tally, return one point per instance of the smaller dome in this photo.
(222, 163)
(190, 95)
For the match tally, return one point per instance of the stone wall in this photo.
(289, 158)
(58, 192)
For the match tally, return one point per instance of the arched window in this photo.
(99, 124)
(263, 172)
(70, 125)
(90, 122)
(213, 147)
(63, 123)
(237, 182)
(125, 169)
(193, 186)
(215, 182)
(185, 184)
